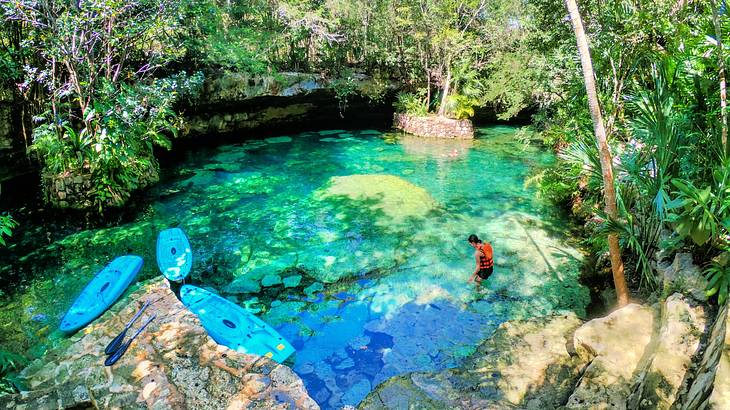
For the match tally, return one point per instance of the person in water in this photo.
(484, 260)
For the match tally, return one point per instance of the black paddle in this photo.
(114, 345)
(123, 348)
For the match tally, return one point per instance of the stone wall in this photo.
(75, 191)
(68, 191)
(433, 126)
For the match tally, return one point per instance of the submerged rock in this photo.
(292, 281)
(243, 284)
(525, 364)
(270, 280)
(173, 364)
(390, 198)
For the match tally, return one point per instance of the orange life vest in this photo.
(485, 259)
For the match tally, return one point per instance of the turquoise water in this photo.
(351, 243)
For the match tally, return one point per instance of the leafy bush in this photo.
(10, 363)
(718, 277)
(461, 106)
(7, 223)
(702, 213)
(412, 103)
(125, 123)
(344, 87)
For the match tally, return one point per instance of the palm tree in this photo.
(617, 265)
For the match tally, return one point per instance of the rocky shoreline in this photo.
(669, 355)
(172, 365)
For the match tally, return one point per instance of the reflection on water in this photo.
(351, 243)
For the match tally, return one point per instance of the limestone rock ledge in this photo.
(526, 364)
(637, 357)
(171, 365)
(614, 345)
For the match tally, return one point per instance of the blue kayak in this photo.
(174, 256)
(232, 326)
(101, 292)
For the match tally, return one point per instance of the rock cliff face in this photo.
(238, 102)
(173, 364)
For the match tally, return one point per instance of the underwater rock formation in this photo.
(506, 371)
(637, 357)
(171, 365)
(388, 195)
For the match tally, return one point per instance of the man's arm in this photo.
(476, 269)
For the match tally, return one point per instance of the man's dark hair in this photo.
(474, 239)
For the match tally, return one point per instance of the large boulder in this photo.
(173, 364)
(682, 275)
(615, 346)
(682, 326)
(525, 364)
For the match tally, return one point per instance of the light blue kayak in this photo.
(174, 256)
(232, 326)
(101, 292)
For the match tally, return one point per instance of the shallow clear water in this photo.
(352, 244)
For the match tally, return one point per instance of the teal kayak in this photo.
(232, 326)
(101, 292)
(174, 256)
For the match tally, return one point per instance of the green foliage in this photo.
(376, 89)
(122, 127)
(7, 223)
(235, 35)
(344, 87)
(701, 213)
(461, 106)
(412, 103)
(10, 363)
(718, 277)
(555, 185)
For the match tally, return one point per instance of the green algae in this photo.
(395, 197)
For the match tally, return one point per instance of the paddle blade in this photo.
(114, 345)
(117, 355)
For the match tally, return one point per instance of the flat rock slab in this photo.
(615, 346)
(173, 364)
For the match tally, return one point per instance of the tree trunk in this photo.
(447, 83)
(617, 266)
(723, 90)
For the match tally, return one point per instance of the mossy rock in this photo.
(390, 198)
